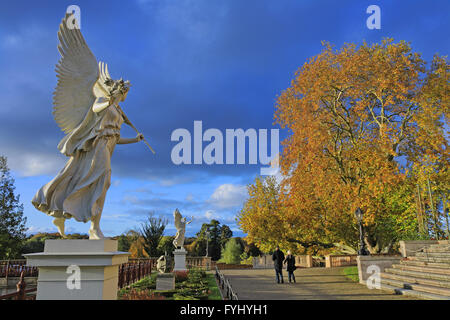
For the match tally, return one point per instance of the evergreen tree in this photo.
(218, 236)
(152, 232)
(12, 221)
(225, 235)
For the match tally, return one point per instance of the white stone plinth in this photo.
(95, 263)
(180, 259)
(368, 264)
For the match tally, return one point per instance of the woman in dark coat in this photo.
(290, 261)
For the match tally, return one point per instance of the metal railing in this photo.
(225, 286)
(14, 268)
(134, 271)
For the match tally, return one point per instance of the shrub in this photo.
(231, 254)
(198, 292)
(145, 283)
(181, 297)
(195, 275)
(135, 294)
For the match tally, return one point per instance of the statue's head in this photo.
(118, 88)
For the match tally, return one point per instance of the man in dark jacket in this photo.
(278, 258)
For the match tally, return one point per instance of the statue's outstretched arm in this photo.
(138, 138)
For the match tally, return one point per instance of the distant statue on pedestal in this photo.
(180, 224)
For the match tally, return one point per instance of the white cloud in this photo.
(34, 230)
(189, 197)
(169, 182)
(116, 217)
(210, 214)
(228, 196)
(222, 217)
(35, 164)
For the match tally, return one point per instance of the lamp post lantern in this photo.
(362, 246)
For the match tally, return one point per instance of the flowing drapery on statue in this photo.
(86, 109)
(180, 224)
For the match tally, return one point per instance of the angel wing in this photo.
(177, 217)
(77, 73)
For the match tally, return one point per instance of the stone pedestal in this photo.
(165, 281)
(78, 269)
(367, 265)
(180, 259)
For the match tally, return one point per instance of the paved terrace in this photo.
(312, 284)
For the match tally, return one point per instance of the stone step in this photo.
(422, 269)
(417, 287)
(412, 262)
(419, 274)
(437, 249)
(429, 258)
(412, 293)
(444, 243)
(441, 243)
(438, 284)
(445, 255)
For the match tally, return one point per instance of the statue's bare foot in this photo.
(59, 223)
(95, 234)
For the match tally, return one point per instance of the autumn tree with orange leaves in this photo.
(365, 122)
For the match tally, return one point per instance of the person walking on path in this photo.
(278, 258)
(290, 262)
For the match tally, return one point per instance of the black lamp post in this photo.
(207, 242)
(362, 246)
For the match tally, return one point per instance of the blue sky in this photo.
(221, 62)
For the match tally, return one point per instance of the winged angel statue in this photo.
(86, 108)
(180, 224)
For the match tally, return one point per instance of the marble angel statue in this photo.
(86, 108)
(180, 224)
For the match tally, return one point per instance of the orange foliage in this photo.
(352, 113)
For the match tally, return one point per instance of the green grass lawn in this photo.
(351, 273)
(212, 284)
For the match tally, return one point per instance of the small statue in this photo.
(86, 108)
(180, 224)
(161, 264)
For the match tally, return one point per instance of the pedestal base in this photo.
(180, 259)
(165, 281)
(78, 269)
(367, 265)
